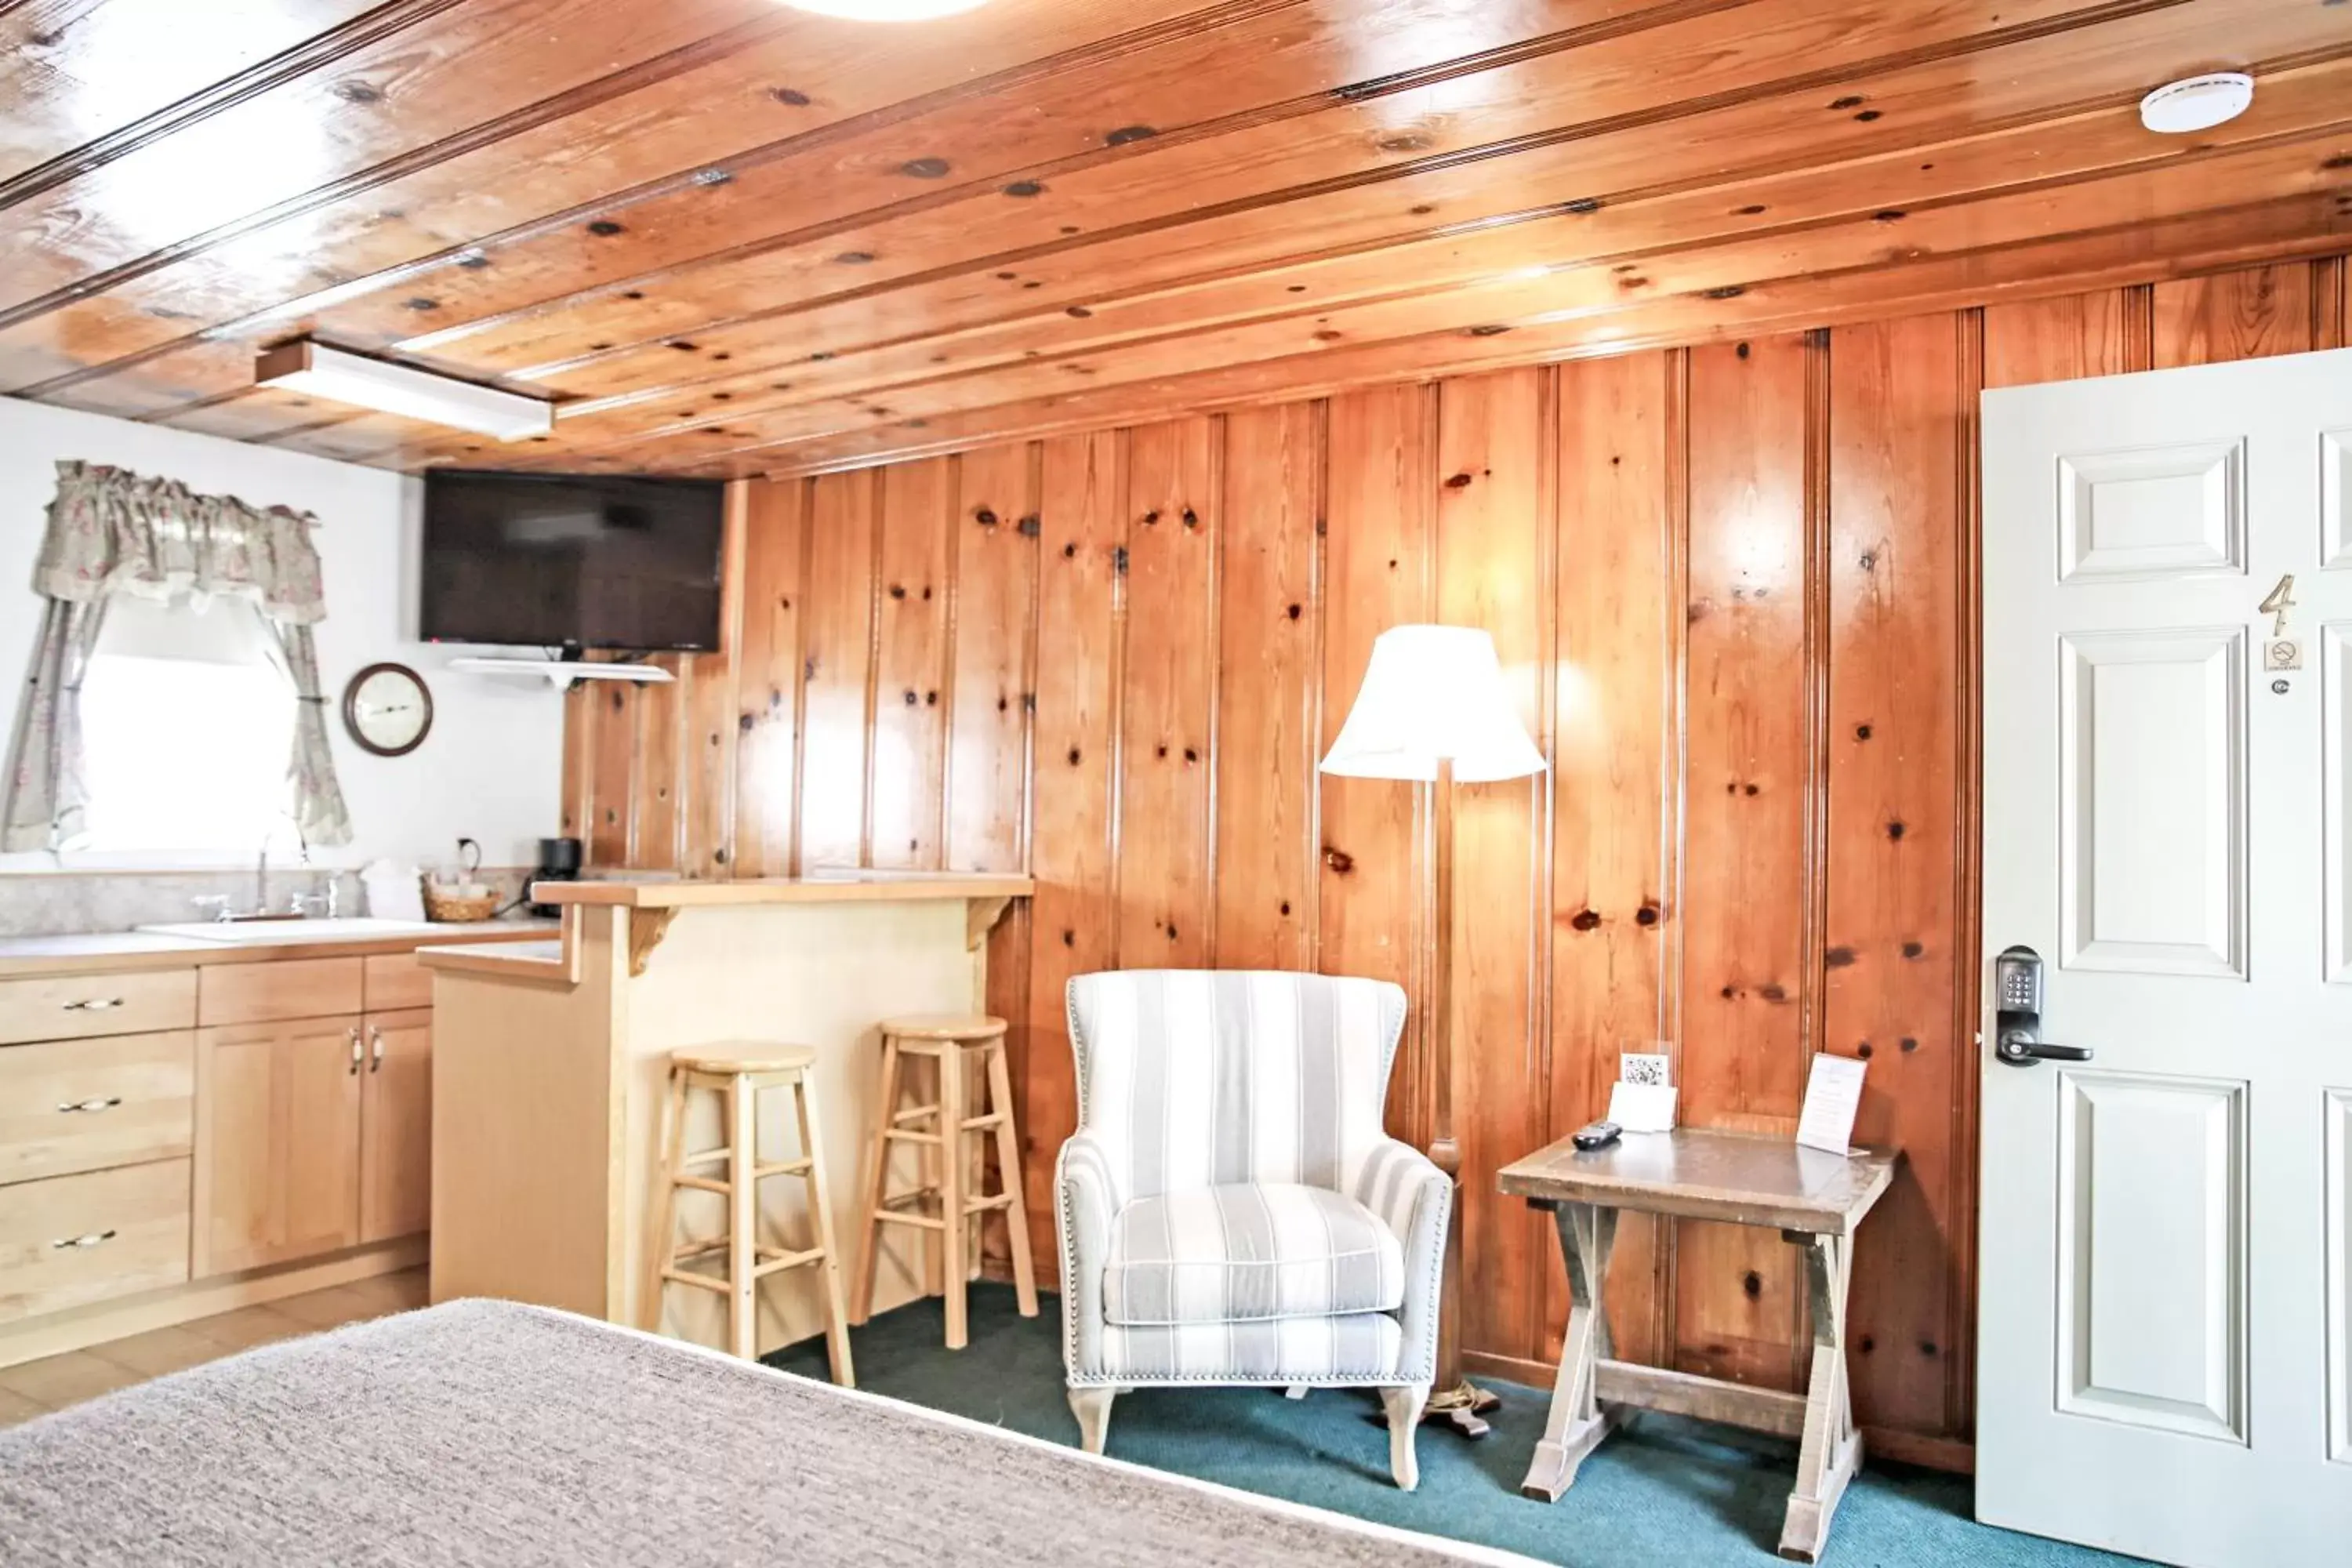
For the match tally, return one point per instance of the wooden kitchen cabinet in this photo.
(175, 1114)
(278, 1141)
(397, 1125)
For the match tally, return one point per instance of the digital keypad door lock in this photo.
(2017, 1012)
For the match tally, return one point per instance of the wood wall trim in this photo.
(1968, 879)
(1739, 585)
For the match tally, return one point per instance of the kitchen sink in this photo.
(246, 932)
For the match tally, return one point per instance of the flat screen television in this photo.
(572, 561)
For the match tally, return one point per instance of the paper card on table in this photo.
(1643, 1107)
(1833, 1095)
(1644, 1067)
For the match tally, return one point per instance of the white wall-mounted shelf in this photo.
(559, 674)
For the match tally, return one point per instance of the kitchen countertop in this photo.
(102, 952)
(544, 959)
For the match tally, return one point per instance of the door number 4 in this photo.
(2280, 651)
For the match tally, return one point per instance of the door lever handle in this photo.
(2018, 1049)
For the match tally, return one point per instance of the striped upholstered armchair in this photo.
(1231, 1210)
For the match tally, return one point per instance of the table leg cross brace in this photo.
(1830, 1450)
(1578, 1420)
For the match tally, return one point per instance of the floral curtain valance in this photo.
(111, 530)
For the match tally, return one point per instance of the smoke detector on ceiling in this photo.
(2198, 103)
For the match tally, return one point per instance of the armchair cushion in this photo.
(1364, 1347)
(1246, 1252)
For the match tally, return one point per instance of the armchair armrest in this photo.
(1086, 1201)
(1415, 1200)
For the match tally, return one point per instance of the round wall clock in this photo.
(387, 710)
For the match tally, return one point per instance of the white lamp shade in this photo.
(1434, 692)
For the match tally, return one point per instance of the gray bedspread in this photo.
(492, 1434)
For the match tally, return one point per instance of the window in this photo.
(187, 722)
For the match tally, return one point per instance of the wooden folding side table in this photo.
(1814, 1199)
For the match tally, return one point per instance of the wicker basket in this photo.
(458, 903)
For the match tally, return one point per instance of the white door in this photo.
(2165, 1334)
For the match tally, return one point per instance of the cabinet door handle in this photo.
(109, 1103)
(93, 1005)
(375, 1049)
(357, 1054)
(95, 1238)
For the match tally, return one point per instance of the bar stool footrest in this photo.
(705, 1281)
(780, 1260)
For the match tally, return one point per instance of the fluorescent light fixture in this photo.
(340, 377)
(2199, 103)
(886, 10)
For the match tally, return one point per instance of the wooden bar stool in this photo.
(950, 1197)
(739, 1072)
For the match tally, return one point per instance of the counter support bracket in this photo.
(980, 917)
(647, 928)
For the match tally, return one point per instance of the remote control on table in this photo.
(1596, 1135)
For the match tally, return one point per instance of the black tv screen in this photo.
(572, 561)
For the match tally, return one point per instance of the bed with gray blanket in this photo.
(484, 1433)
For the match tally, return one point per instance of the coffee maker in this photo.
(559, 861)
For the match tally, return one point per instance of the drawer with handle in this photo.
(282, 989)
(71, 1240)
(85, 1105)
(77, 1007)
(395, 979)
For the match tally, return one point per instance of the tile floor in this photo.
(34, 1387)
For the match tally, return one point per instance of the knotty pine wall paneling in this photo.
(838, 669)
(994, 537)
(1168, 696)
(1270, 688)
(905, 768)
(1074, 918)
(1616, 925)
(1372, 908)
(758, 837)
(1496, 539)
(1735, 589)
(1747, 889)
(1898, 493)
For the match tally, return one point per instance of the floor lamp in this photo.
(1434, 710)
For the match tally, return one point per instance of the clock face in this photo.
(387, 710)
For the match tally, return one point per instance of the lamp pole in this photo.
(1454, 1399)
(1433, 704)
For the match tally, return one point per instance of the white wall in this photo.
(491, 768)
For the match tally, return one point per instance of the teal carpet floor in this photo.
(1662, 1490)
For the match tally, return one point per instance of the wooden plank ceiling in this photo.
(736, 238)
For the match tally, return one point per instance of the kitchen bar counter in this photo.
(550, 1059)
(101, 953)
(863, 887)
